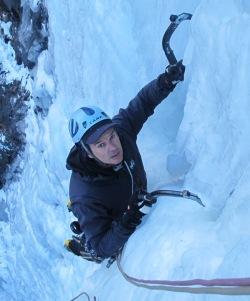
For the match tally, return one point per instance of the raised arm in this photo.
(142, 106)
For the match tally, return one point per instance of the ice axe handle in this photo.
(175, 21)
(173, 193)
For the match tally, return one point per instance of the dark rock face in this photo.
(29, 30)
(32, 34)
(28, 37)
(13, 108)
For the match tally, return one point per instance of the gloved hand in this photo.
(175, 73)
(131, 217)
(145, 201)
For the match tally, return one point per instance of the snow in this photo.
(6, 28)
(103, 52)
(2, 138)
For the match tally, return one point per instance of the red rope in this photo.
(217, 286)
(200, 282)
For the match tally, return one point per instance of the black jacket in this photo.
(100, 195)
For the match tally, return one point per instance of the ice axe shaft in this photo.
(174, 193)
(175, 21)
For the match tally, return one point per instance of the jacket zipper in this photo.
(131, 176)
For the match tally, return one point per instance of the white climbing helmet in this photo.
(88, 124)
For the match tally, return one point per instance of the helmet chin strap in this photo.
(92, 156)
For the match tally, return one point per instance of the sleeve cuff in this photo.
(164, 84)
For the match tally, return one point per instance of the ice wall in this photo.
(104, 52)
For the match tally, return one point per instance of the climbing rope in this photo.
(220, 286)
(81, 294)
(228, 286)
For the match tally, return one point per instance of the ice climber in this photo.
(107, 170)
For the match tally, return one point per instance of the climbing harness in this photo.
(219, 286)
(78, 245)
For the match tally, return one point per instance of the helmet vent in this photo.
(84, 124)
(88, 111)
(73, 128)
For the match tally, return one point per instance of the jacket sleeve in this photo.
(104, 235)
(142, 106)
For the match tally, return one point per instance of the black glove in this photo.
(131, 217)
(145, 201)
(175, 73)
